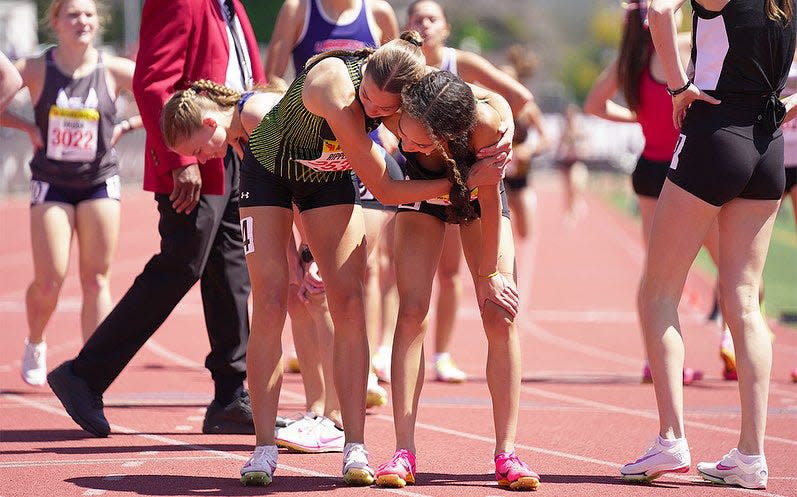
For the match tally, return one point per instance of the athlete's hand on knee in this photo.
(488, 171)
(187, 188)
(682, 101)
(312, 279)
(498, 289)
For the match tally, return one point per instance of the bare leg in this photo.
(679, 226)
(51, 227)
(419, 240)
(745, 232)
(97, 226)
(268, 273)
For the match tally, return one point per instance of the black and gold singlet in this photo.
(295, 144)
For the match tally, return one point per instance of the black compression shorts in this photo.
(791, 179)
(261, 188)
(648, 177)
(722, 154)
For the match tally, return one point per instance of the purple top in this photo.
(321, 34)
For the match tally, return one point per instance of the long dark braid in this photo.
(445, 104)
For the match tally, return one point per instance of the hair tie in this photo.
(642, 6)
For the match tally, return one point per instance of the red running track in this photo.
(583, 410)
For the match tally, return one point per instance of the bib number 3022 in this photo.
(72, 134)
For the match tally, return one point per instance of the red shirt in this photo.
(182, 41)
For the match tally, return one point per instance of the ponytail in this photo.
(780, 10)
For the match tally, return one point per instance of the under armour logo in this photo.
(244, 194)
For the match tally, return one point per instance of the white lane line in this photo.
(174, 442)
(640, 414)
(126, 462)
(195, 418)
(93, 491)
(183, 428)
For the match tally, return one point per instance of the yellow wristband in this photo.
(496, 273)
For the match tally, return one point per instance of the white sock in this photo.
(748, 459)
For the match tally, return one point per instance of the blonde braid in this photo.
(220, 94)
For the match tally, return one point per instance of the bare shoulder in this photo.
(32, 69)
(119, 66)
(486, 132)
(257, 107)
(381, 7)
(327, 85)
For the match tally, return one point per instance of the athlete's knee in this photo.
(93, 283)
(47, 287)
(496, 319)
(739, 303)
(347, 306)
(412, 311)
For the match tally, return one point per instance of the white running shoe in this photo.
(34, 363)
(380, 363)
(356, 471)
(319, 435)
(663, 456)
(732, 470)
(259, 469)
(376, 396)
(447, 371)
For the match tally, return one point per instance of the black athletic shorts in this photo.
(440, 210)
(648, 177)
(262, 188)
(723, 153)
(791, 179)
(42, 191)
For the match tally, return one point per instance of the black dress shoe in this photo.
(233, 419)
(83, 404)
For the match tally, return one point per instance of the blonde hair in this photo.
(392, 66)
(54, 10)
(182, 114)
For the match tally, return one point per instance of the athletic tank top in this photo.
(76, 119)
(296, 144)
(414, 170)
(449, 62)
(322, 34)
(740, 50)
(655, 109)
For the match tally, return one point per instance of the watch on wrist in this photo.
(680, 90)
(306, 256)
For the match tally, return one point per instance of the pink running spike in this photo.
(513, 473)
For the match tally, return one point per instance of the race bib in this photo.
(445, 200)
(72, 134)
(332, 158)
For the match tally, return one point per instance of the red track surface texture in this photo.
(583, 410)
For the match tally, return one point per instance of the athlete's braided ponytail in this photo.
(445, 105)
(182, 114)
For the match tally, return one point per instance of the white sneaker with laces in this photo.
(321, 436)
(356, 471)
(306, 422)
(259, 469)
(446, 369)
(34, 363)
(663, 456)
(376, 395)
(732, 470)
